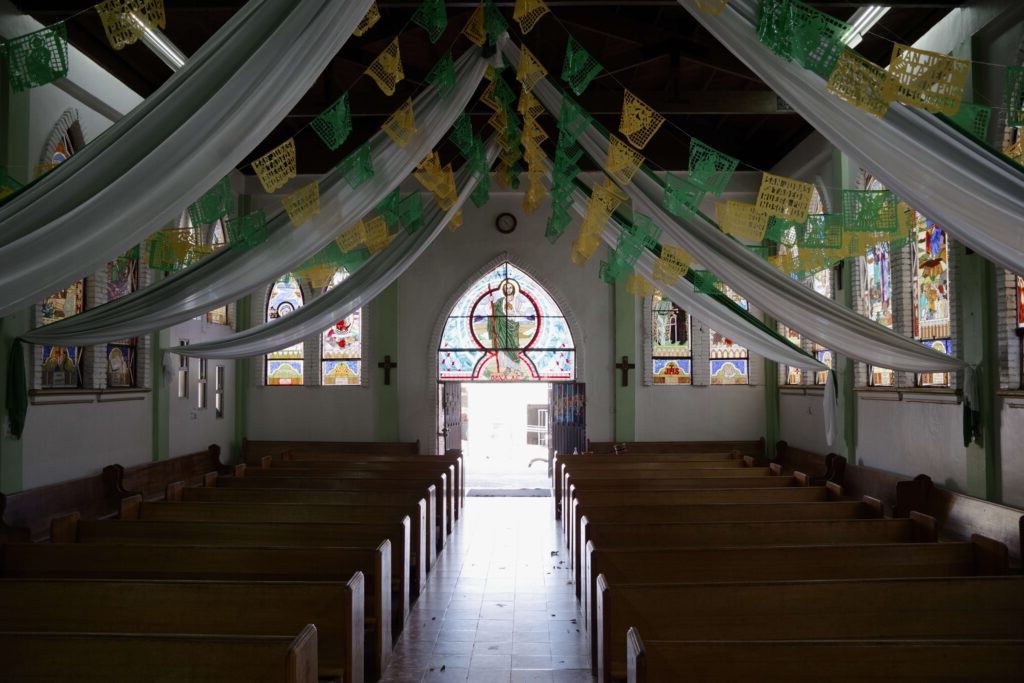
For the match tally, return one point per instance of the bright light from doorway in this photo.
(505, 435)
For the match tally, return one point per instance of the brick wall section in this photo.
(1006, 318)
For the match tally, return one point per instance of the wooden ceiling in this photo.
(654, 48)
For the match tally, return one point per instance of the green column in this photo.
(625, 345)
(975, 290)
(385, 343)
(771, 399)
(846, 440)
(243, 373)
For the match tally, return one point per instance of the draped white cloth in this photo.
(975, 194)
(348, 296)
(137, 175)
(789, 302)
(230, 274)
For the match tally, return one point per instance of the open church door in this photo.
(568, 412)
(451, 419)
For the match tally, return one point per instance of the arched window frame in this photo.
(269, 359)
(354, 328)
(658, 370)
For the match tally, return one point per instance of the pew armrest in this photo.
(131, 507)
(925, 528)
(302, 658)
(991, 558)
(64, 529)
(636, 657)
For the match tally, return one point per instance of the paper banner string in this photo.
(494, 23)
(861, 82)
(784, 197)
(442, 76)
(456, 221)
(974, 119)
(530, 70)
(821, 231)
(528, 12)
(474, 28)
(303, 204)
(386, 69)
(401, 125)
(713, 7)
(275, 168)
(710, 170)
(126, 21)
(741, 220)
(371, 17)
(870, 211)
(334, 124)
(216, 203)
(639, 122)
(637, 285)
(410, 212)
(377, 236)
(1013, 96)
(928, 80)
(248, 231)
(37, 58)
(357, 167)
(671, 265)
(353, 238)
(623, 161)
(432, 17)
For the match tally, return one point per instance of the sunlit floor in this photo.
(493, 464)
(499, 606)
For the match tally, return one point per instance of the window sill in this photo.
(796, 390)
(52, 397)
(932, 395)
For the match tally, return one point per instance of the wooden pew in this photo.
(70, 529)
(253, 450)
(312, 483)
(752, 447)
(561, 461)
(917, 529)
(169, 658)
(161, 562)
(587, 515)
(872, 609)
(981, 557)
(270, 608)
(341, 498)
(380, 462)
(653, 661)
(415, 471)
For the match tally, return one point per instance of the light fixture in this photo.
(862, 21)
(158, 43)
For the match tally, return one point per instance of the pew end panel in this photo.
(355, 617)
(175, 491)
(991, 558)
(925, 530)
(636, 657)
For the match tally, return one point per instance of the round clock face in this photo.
(505, 223)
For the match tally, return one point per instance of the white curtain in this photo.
(975, 194)
(356, 291)
(792, 304)
(137, 175)
(230, 274)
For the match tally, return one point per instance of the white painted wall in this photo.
(1011, 415)
(191, 428)
(801, 423)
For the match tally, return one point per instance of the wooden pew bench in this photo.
(445, 471)
(917, 529)
(301, 458)
(169, 658)
(870, 508)
(70, 529)
(981, 557)
(654, 661)
(868, 609)
(313, 483)
(157, 562)
(412, 499)
(266, 608)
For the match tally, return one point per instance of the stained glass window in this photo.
(670, 335)
(821, 282)
(1020, 302)
(341, 346)
(729, 361)
(218, 316)
(876, 293)
(122, 355)
(931, 294)
(506, 328)
(793, 375)
(284, 367)
(62, 365)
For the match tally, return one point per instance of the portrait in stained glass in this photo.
(62, 365)
(121, 364)
(284, 367)
(670, 342)
(341, 346)
(729, 361)
(931, 321)
(506, 328)
(793, 375)
(826, 358)
(123, 275)
(1020, 301)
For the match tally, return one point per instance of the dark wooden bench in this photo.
(268, 608)
(653, 661)
(875, 609)
(170, 658)
(209, 563)
(70, 529)
(410, 498)
(253, 450)
(981, 557)
(418, 486)
(749, 447)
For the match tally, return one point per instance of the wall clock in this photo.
(505, 223)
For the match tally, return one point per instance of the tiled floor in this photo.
(499, 605)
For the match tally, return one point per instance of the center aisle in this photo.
(499, 605)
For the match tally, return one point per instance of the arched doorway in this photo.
(504, 342)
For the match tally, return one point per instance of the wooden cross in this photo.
(386, 366)
(625, 366)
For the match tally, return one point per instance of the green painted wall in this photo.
(243, 373)
(771, 399)
(384, 343)
(160, 341)
(625, 324)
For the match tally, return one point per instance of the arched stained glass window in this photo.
(671, 348)
(729, 361)
(876, 293)
(821, 282)
(284, 367)
(506, 328)
(931, 294)
(62, 365)
(341, 346)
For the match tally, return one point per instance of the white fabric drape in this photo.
(137, 175)
(789, 302)
(944, 174)
(356, 291)
(230, 274)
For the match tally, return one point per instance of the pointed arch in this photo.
(503, 325)
(285, 366)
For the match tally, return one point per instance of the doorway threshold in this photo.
(508, 493)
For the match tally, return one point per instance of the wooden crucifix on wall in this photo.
(625, 366)
(386, 365)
